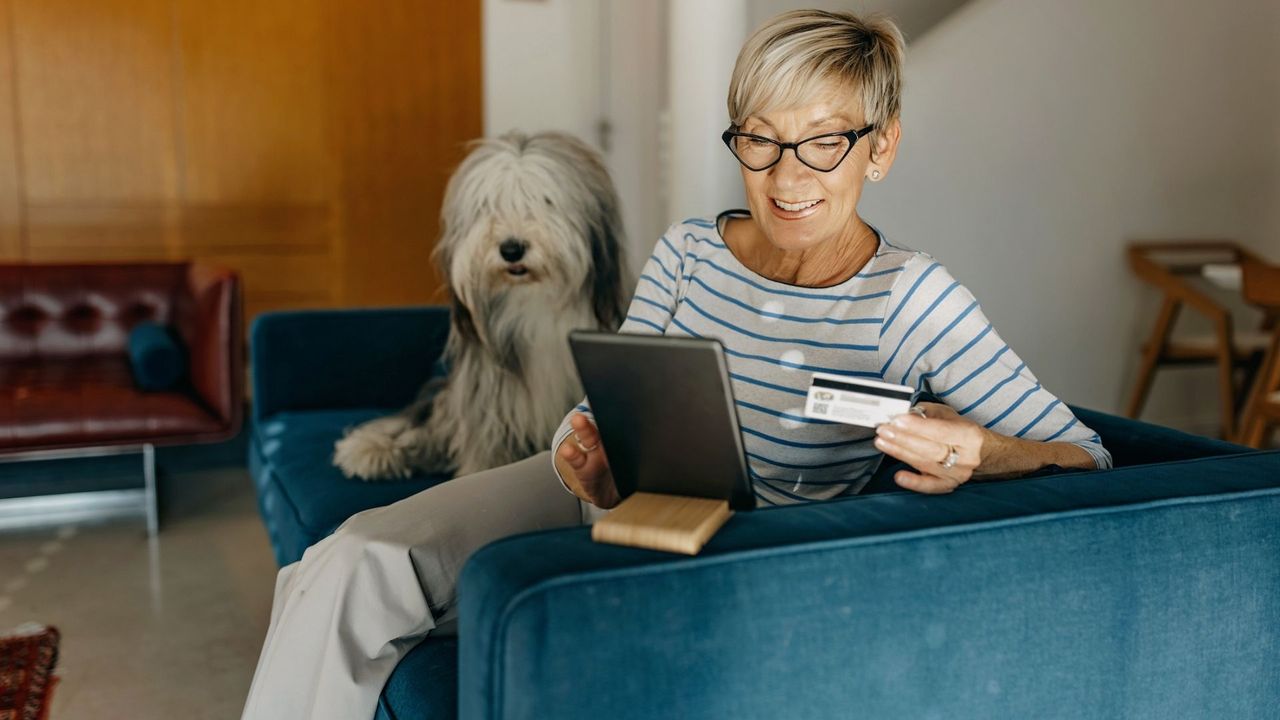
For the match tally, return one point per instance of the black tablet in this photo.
(666, 415)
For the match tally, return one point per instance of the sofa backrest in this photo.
(80, 310)
(347, 358)
(1133, 442)
(1143, 592)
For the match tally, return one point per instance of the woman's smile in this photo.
(794, 210)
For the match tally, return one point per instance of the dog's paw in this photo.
(368, 454)
(390, 426)
(424, 451)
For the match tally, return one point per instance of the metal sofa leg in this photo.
(149, 477)
(45, 510)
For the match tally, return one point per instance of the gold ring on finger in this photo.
(577, 441)
(951, 459)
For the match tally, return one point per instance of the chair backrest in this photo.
(1169, 264)
(1262, 285)
(81, 310)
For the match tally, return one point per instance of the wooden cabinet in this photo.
(305, 143)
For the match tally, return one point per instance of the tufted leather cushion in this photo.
(79, 310)
(64, 368)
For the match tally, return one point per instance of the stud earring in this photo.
(875, 174)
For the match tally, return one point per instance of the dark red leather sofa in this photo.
(65, 378)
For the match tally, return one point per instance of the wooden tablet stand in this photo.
(671, 523)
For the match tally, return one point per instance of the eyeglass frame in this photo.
(851, 135)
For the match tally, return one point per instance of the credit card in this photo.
(856, 401)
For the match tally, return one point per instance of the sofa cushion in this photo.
(303, 497)
(77, 401)
(156, 357)
(424, 685)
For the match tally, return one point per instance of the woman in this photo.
(798, 284)
(802, 284)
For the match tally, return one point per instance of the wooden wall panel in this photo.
(286, 274)
(305, 143)
(208, 229)
(96, 100)
(11, 241)
(169, 232)
(259, 181)
(67, 232)
(406, 95)
(252, 98)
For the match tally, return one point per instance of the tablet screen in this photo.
(666, 414)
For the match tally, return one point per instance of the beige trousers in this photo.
(360, 599)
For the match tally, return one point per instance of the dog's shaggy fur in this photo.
(531, 248)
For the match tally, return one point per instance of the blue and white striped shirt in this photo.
(901, 319)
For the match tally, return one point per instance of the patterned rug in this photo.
(26, 672)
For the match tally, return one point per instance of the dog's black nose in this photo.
(512, 250)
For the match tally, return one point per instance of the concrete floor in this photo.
(166, 628)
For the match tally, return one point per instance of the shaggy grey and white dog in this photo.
(531, 248)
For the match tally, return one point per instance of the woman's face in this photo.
(823, 205)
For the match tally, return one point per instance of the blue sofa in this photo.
(1148, 591)
(315, 373)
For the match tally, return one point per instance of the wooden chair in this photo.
(1169, 266)
(1262, 410)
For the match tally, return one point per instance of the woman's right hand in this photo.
(583, 465)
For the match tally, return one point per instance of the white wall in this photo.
(1039, 136)
(636, 85)
(570, 64)
(702, 178)
(541, 62)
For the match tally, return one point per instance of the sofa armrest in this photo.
(328, 359)
(552, 621)
(210, 320)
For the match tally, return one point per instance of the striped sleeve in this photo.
(661, 284)
(936, 338)
(652, 306)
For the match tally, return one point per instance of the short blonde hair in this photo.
(793, 58)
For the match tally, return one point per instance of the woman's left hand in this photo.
(928, 444)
